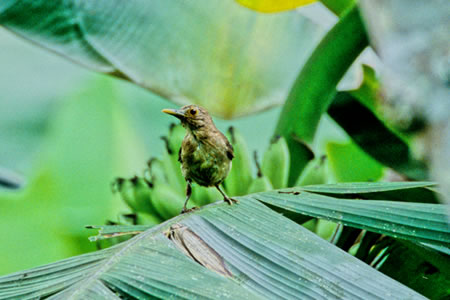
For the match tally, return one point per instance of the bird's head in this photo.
(193, 117)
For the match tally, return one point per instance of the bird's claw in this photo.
(230, 201)
(185, 210)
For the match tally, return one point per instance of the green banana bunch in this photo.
(151, 202)
(261, 183)
(315, 172)
(202, 195)
(136, 192)
(240, 176)
(276, 162)
(125, 188)
(166, 201)
(147, 219)
(160, 193)
(170, 158)
(142, 195)
(176, 136)
(155, 172)
(136, 218)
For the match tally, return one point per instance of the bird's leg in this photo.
(225, 197)
(188, 196)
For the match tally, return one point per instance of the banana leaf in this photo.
(315, 87)
(215, 53)
(243, 251)
(420, 268)
(374, 137)
(418, 222)
(366, 187)
(414, 191)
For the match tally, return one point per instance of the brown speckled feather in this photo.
(205, 154)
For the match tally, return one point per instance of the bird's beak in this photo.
(174, 112)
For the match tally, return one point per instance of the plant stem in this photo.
(339, 7)
(315, 86)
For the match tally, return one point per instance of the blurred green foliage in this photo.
(88, 139)
(70, 133)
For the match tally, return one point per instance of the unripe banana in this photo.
(315, 172)
(147, 219)
(142, 195)
(203, 195)
(276, 163)
(240, 177)
(172, 168)
(139, 218)
(125, 219)
(155, 172)
(311, 225)
(261, 183)
(126, 190)
(166, 201)
(176, 136)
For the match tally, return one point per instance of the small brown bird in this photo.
(205, 154)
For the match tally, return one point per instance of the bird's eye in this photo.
(193, 111)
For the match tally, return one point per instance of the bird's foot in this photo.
(229, 200)
(185, 210)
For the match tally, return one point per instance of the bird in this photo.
(205, 153)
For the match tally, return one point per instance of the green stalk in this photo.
(315, 86)
(339, 7)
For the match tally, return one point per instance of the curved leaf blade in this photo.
(339, 7)
(348, 163)
(267, 254)
(428, 273)
(110, 231)
(374, 137)
(315, 86)
(419, 222)
(366, 187)
(413, 191)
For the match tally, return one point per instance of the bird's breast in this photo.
(205, 164)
